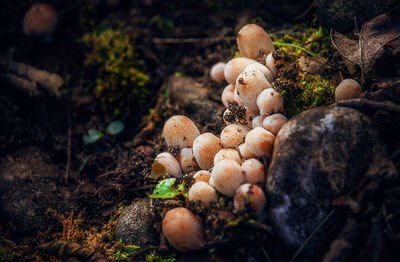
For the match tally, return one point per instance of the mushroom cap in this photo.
(227, 94)
(249, 195)
(263, 69)
(183, 229)
(233, 135)
(170, 163)
(187, 161)
(217, 72)
(39, 20)
(249, 84)
(347, 89)
(180, 131)
(227, 154)
(260, 141)
(258, 121)
(253, 41)
(270, 63)
(205, 146)
(201, 191)
(226, 177)
(202, 175)
(236, 66)
(274, 122)
(254, 171)
(236, 97)
(245, 152)
(269, 101)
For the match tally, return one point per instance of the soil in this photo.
(86, 186)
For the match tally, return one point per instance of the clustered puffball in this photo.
(187, 161)
(202, 175)
(229, 153)
(253, 41)
(228, 94)
(183, 229)
(249, 195)
(226, 177)
(273, 123)
(180, 131)
(201, 191)
(170, 163)
(260, 141)
(217, 72)
(254, 171)
(269, 101)
(347, 89)
(233, 135)
(205, 146)
(40, 20)
(236, 66)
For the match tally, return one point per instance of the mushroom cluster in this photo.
(230, 164)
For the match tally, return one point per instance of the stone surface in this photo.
(28, 187)
(135, 224)
(197, 102)
(318, 156)
(340, 14)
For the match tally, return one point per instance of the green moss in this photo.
(6, 254)
(121, 83)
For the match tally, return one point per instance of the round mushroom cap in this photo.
(201, 191)
(274, 122)
(270, 63)
(226, 177)
(269, 101)
(187, 161)
(227, 94)
(254, 171)
(180, 131)
(233, 135)
(245, 152)
(217, 72)
(40, 20)
(263, 69)
(227, 154)
(205, 146)
(183, 229)
(236, 66)
(249, 84)
(260, 141)
(202, 175)
(347, 89)
(170, 163)
(257, 121)
(253, 41)
(248, 195)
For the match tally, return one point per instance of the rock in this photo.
(340, 14)
(318, 155)
(196, 102)
(135, 224)
(28, 187)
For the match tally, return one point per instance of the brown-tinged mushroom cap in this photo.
(40, 20)
(253, 41)
(205, 146)
(347, 89)
(180, 131)
(217, 72)
(236, 66)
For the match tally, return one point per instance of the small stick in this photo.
(191, 40)
(22, 83)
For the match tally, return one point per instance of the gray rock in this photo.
(135, 224)
(340, 14)
(318, 156)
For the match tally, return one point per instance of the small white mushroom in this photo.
(236, 97)
(183, 229)
(201, 191)
(233, 135)
(170, 163)
(269, 101)
(202, 175)
(228, 94)
(274, 122)
(205, 146)
(249, 85)
(248, 195)
(180, 131)
(270, 63)
(253, 171)
(260, 141)
(257, 121)
(227, 154)
(253, 41)
(347, 89)
(236, 66)
(245, 152)
(217, 72)
(187, 161)
(226, 177)
(263, 69)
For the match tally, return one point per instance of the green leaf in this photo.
(165, 189)
(115, 127)
(92, 136)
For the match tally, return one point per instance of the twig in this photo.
(296, 46)
(191, 40)
(365, 103)
(21, 83)
(106, 174)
